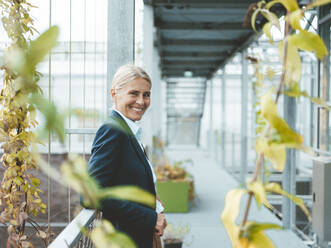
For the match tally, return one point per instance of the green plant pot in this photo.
(174, 196)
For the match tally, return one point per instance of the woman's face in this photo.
(133, 99)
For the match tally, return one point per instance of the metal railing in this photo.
(72, 236)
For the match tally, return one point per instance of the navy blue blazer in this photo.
(117, 159)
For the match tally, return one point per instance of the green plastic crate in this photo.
(174, 196)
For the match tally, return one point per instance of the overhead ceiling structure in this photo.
(199, 35)
(194, 39)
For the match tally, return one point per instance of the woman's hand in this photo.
(161, 223)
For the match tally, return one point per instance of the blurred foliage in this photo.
(274, 135)
(20, 192)
(21, 98)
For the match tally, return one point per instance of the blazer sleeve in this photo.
(105, 158)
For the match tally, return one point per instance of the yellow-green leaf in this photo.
(253, 234)
(276, 188)
(309, 41)
(293, 63)
(295, 19)
(271, 17)
(266, 30)
(260, 240)
(253, 19)
(290, 5)
(259, 193)
(289, 138)
(230, 214)
(276, 153)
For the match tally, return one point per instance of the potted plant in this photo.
(173, 236)
(175, 185)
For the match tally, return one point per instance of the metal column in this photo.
(211, 109)
(223, 120)
(324, 77)
(244, 109)
(120, 47)
(289, 177)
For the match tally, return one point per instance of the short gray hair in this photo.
(127, 73)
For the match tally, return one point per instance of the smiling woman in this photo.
(118, 158)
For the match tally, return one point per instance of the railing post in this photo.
(243, 130)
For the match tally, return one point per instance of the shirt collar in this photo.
(135, 128)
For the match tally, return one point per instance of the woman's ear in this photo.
(112, 93)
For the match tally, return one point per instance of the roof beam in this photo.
(185, 63)
(200, 26)
(201, 3)
(205, 42)
(180, 75)
(194, 54)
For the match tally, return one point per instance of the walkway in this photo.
(212, 183)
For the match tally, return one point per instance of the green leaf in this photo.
(130, 193)
(104, 235)
(35, 181)
(40, 47)
(310, 42)
(230, 214)
(276, 188)
(295, 19)
(54, 121)
(253, 234)
(259, 193)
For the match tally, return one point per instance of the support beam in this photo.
(200, 3)
(200, 26)
(194, 54)
(120, 39)
(205, 42)
(189, 63)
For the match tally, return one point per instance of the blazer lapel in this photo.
(134, 142)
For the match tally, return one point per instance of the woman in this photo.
(118, 158)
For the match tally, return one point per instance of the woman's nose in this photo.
(140, 100)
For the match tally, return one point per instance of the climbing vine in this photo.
(20, 99)
(274, 135)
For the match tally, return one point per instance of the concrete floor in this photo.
(212, 183)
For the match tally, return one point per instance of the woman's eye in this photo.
(147, 94)
(134, 93)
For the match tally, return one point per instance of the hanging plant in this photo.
(274, 134)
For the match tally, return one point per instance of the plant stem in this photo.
(282, 79)
(279, 90)
(250, 196)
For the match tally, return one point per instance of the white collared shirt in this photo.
(137, 131)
